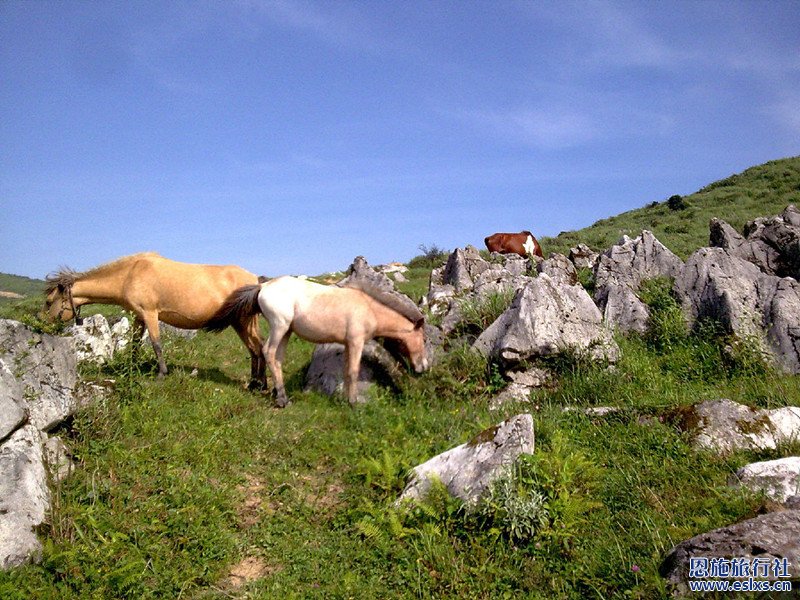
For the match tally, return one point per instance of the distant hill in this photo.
(681, 223)
(15, 287)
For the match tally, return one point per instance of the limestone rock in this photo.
(726, 426)
(779, 479)
(24, 496)
(469, 469)
(546, 318)
(768, 537)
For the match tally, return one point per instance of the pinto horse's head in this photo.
(411, 347)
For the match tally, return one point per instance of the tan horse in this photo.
(323, 314)
(155, 288)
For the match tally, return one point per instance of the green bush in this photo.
(432, 256)
(677, 202)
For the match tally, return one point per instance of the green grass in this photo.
(186, 481)
(181, 480)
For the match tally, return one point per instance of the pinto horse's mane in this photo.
(388, 299)
(66, 276)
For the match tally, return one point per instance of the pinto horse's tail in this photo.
(240, 305)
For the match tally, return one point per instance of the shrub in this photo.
(667, 327)
(677, 202)
(477, 314)
(432, 256)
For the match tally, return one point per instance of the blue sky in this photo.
(290, 137)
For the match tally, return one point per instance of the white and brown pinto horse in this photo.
(323, 314)
(155, 288)
(522, 243)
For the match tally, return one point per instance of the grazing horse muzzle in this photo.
(421, 366)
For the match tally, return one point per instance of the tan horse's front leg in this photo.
(352, 365)
(151, 322)
(274, 352)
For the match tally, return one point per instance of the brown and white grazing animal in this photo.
(323, 314)
(155, 288)
(522, 243)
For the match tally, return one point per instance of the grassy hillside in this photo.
(16, 285)
(194, 487)
(760, 191)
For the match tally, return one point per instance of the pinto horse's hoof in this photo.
(283, 403)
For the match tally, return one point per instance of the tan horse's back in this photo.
(185, 295)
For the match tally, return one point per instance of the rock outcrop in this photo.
(769, 538)
(38, 379)
(619, 273)
(770, 243)
(547, 318)
(752, 305)
(779, 479)
(725, 426)
(469, 469)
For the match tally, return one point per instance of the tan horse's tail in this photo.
(240, 305)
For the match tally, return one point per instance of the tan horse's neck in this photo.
(103, 285)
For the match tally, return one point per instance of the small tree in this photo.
(677, 202)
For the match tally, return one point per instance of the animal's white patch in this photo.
(530, 246)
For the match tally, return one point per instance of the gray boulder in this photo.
(44, 367)
(725, 426)
(13, 412)
(522, 383)
(583, 257)
(326, 371)
(547, 318)
(767, 537)
(779, 479)
(770, 243)
(24, 496)
(468, 277)
(748, 303)
(754, 251)
(469, 469)
(462, 267)
(619, 273)
(38, 383)
(96, 341)
(559, 268)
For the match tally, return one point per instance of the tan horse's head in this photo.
(58, 302)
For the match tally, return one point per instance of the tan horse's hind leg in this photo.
(150, 319)
(250, 335)
(352, 364)
(274, 352)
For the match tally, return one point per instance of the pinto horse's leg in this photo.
(274, 351)
(150, 319)
(352, 365)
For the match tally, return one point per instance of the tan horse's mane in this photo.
(407, 309)
(66, 277)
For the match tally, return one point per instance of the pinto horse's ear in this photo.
(419, 323)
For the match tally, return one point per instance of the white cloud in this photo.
(550, 129)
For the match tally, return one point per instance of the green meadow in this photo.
(193, 487)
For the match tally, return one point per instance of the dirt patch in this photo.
(249, 569)
(321, 492)
(11, 295)
(249, 511)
